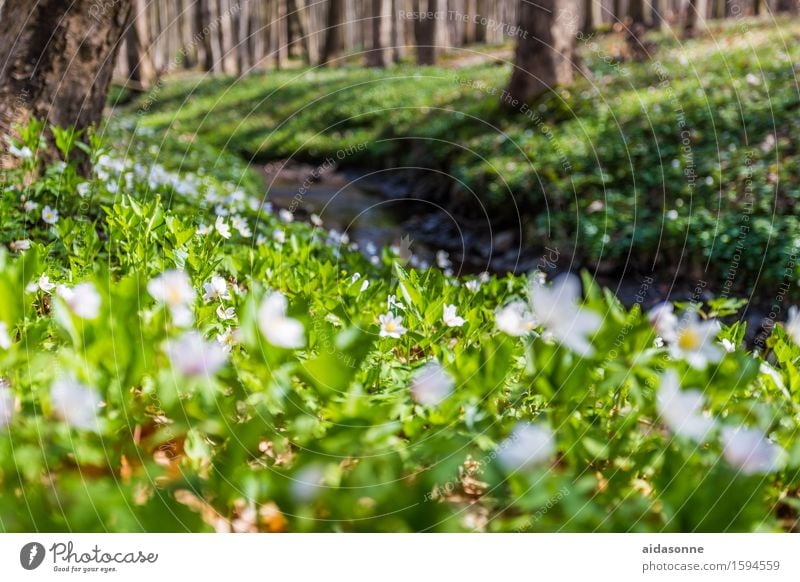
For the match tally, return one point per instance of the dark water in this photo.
(375, 216)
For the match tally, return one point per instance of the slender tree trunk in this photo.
(396, 33)
(544, 58)
(241, 22)
(480, 30)
(425, 32)
(333, 31)
(588, 16)
(636, 11)
(376, 55)
(616, 9)
(278, 30)
(694, 20)
(300, 15)
(137, 42)
(57, 59)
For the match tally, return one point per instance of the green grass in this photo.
(603, 175)
(557, 425)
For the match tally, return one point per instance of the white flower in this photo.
(473, 285)
(308, 483)
(443, 259)
(556, 309)
(83, 299)
(43, 283)
(747, 449)
(204, 229)
(663, 319)
(391, 326)
(278, 329)
(6, 404)
(792, 325)
(75, 403)
(216, 288)
(431, 384)
(355, 277)
(392, 301)
(5, 339)
(285, 215)
(682, 410)
(20, 245)
(30, 206)
(49, 215)
(727, 345)
(228, 339)
(752, 79)
(83, 189)
(515, 319)
(316, 220)
(279, 236)
(694, 341)
(225, 313)
(174, 289)
(192, 355)
(527, 446)
(23, 153)
(241, 226)
(222, 228)
(364, 285)
(450, 318)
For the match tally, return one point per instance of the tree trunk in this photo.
(544, 57)
(376, 54)
(333, 31)
(57, 59)
(205, 54)
(616, 9)
(396, 33)
(425, 32)
(227, 39)
(694, 20)
(278, 31)
(636, 11)
(137, 41)
(480, 30)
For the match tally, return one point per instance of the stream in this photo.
(375, 210)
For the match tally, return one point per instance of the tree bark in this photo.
(481, 8)
(694, 20)
(636, 11)
(137, 41)
(425, 31)
(396, 33)
(375, 56)
(57, 59)
(333, 31)
(544, 56)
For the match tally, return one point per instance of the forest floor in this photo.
(640, 169)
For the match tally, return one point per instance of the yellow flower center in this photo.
(688, 340)
(390, 326)
(173, 296)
